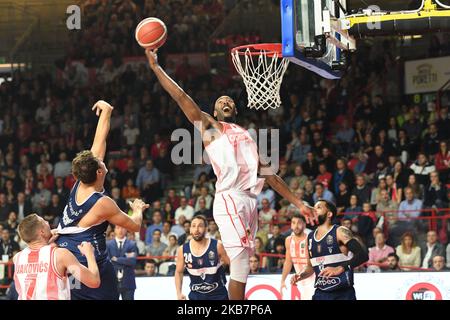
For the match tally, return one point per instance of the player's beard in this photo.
(321, 219)
(199, 237)
(298, 232)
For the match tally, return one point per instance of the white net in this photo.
(262, 75)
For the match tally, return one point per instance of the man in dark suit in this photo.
(22, 206)
(431, 249)
(123, 254)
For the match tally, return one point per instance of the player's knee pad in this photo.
(240, 267)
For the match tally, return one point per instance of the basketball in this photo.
(151, 33)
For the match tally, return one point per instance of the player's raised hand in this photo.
(86, 248)
(138, 205)
(102, 106)
(308, 212)
(152, 57)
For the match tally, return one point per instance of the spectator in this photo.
(346, 222)
(342, 198)
(173, 199)
(387, 209)
(5, 208)
(60, 189)
(353, 208)
(298, 176)
(410, 207)
(202, 182)
(167, 213)
(123, 252)
(394, 192)
(63, 167)
(431, 249)
(54, 210)
(186, 236)
(361, 190)
(422, 169)
(157, 146)
(380, 251)
(202, 210)
(115, 195)
(431, 140)
(392, 262)
(139, 243)
(156, 225)
(408, 251)
(376, 192)
(268, 194)
(172, 247)
(297, 149)
(401, 174)
(130, 171)
(22, 206)
(310, 166)
(271, 247)
(184, 209)
(322, 193)
(255, 265)
(148, 182)
(442, 161)
(435, 193)
(41, 199)
(150, 269)
(266, 214)
(439, 263)
(204, 193)
(365, 223)
(156, 247)
(8, 247)
(417, 189)
(324, 177)
(328, 159)
(130, 191)
(165, 232)
(341, 174)
(213, 230)
(178, 228)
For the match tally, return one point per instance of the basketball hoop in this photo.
(262, 67)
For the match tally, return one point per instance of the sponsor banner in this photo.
(368, 286)
(427, 75)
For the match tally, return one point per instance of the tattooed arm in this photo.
(345, 237)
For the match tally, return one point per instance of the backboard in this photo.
(312, 35)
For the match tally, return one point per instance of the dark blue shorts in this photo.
(108, 287)
(340, 294)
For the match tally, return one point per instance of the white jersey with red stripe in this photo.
(298, 250)
(235, 161)
(36, 276)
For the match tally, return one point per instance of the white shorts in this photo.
(236, 216)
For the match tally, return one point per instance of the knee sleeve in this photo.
(240, 267)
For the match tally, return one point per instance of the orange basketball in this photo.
(151, 33)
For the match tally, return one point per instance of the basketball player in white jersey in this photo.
(297, 255)
(235, 161)
(40, 270)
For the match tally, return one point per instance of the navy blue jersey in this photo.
(206, 273)
(325, 252)
(70, 236)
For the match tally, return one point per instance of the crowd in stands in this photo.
(351, 141)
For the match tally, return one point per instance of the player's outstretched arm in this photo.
(189, 107)
(104, 110)
(66, 261)
(179, 271)
(282, 189)
(111, 212)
